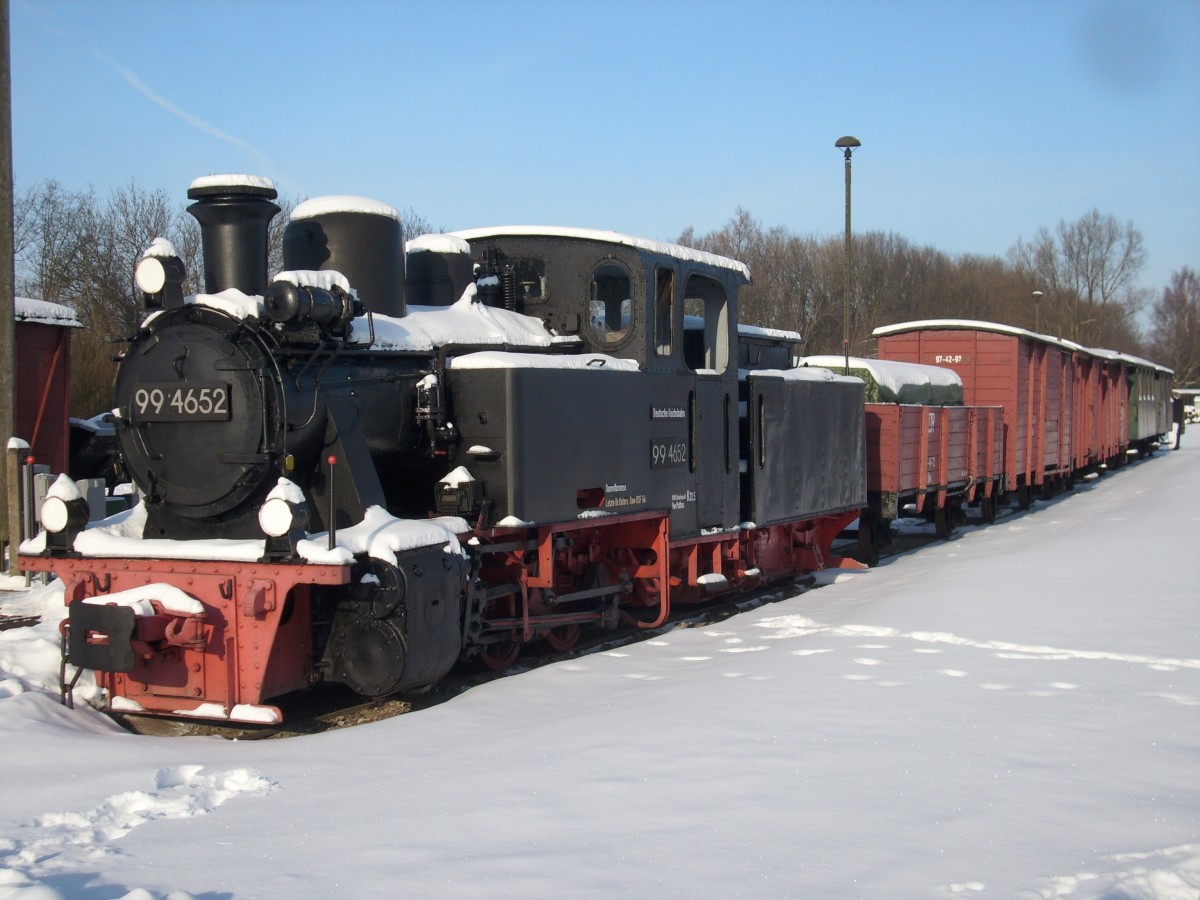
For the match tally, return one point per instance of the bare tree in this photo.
(1175, 328)
(792, 276)
(53, 230)
(1087, 271)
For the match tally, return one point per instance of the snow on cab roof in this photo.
(677, 251)
(343, 203)
(43, 312)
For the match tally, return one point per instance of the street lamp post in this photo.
(847, 144)
(1037, 312)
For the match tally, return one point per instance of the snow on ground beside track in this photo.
(1014, 713)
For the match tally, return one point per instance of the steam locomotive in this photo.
(389, 458)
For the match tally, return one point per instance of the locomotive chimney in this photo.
(234, 212)
(360, 238)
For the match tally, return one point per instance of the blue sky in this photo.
(980, 121)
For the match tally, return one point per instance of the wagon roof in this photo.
(1129, 359)
(975, 325)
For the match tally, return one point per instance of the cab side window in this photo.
(706, 325)
(610, 306)
(664, 312)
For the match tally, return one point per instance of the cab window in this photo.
(706, 325)
(610, 306)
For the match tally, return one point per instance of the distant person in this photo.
(1178, 414)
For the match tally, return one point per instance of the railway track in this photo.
(7, 622)
(329, 707)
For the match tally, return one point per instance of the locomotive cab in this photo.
(659, 322)
(712, 423)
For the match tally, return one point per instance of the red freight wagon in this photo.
(1101, 434)
(1030, 376)
(43, 379)
(934, 456)
(923, 446)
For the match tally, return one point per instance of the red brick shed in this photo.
(43, 379)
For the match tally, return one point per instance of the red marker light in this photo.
(30, 460)
(332, 460)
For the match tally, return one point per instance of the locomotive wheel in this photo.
(562, 638)
(368, 654)
(500, 655)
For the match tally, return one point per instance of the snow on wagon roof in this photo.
(975, 325)
(1129, 359)
(689, 254)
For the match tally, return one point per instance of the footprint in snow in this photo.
(65, 841)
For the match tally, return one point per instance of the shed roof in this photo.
(43, 312)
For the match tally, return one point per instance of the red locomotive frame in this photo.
(253, 640)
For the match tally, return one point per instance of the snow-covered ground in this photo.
(1014, 713)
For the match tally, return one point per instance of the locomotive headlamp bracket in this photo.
(284, 524)
(63, 520)
(276, 517)
(160, 279)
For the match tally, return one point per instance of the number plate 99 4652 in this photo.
(192, 401)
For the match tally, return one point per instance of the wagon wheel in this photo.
(943, 521)
(987, 509)
(562, 638)
(883, 533)
(500, 655)
(868, 543)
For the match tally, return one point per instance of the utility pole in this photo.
(9, 494)
(847, 144)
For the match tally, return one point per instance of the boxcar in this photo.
(1030, 376)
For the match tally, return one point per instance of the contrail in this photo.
(183, 114)
(47, 21)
